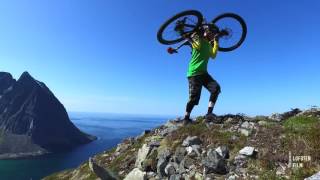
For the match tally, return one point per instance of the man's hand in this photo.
(172, 50)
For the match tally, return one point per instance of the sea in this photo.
(110, 129)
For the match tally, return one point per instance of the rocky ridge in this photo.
(240, 147)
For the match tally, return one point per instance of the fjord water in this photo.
(110, 130)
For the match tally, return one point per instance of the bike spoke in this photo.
(235, 29)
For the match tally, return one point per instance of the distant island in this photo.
(32, 120)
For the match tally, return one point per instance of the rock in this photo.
(281, 170)
(314, 111)
(122, 147)
(150, 163)
(151, 175)
(100, 171)
(229, 120)
(189, 141)
(291, 113)
(234, 138)
(163, 159)
(136, 174)
(275, 117)
(169, 127)
(179, 154)
(154, 141)
(154, 144)
(188, 162)
(175, 177)
(262, 123)
(314, 177)
(142, 154)
(247, 151)
(193, 150)
(145, 132)
(245, 132)
(181, 168)
(232, 119)
(245, 125)
(279, 117)
(198, 176)
(170, 169)
(214, 163)
(233, 177)
(240, 161)
(223, 151)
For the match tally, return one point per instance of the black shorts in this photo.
(195, 86)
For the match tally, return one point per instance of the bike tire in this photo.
(160, 37)
(243, 26)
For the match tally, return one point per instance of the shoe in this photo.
(210, 117)
(187, 121)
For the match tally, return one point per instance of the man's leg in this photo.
(214, 89)
(194, 95)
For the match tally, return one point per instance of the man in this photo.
(204, 46)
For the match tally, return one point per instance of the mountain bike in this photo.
(230, 28)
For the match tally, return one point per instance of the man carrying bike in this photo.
(204, 46)
(203, 37)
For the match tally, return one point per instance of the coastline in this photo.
(12, 156)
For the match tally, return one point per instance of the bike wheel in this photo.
(167, 34)
(236, 28)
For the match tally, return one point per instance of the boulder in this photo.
(262, 123)
(188, 162)
(175, 177)
(248, 151)
(171, 168)
(245, 132)
(189, 141)
(214, 163)
(163, 160)
(194, 150)
(314, 177)
(136, 174)
(99, 171)
(142, 154)
(245, 125)
(179, 154)
(279, 117)
(223, 151)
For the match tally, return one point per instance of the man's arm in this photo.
(194, 40)
(214, 49)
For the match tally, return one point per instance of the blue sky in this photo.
(103, 56)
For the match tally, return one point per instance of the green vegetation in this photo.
(215, 134)
(300, 124)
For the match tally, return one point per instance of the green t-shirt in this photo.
(200, 57)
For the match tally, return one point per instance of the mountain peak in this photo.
(30, 113)
(26, 75)
(5, 74)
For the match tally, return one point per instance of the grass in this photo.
(300, 135)
(84, 172)
(213, 135)
(300, 124)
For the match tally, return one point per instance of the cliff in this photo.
(32, 120)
